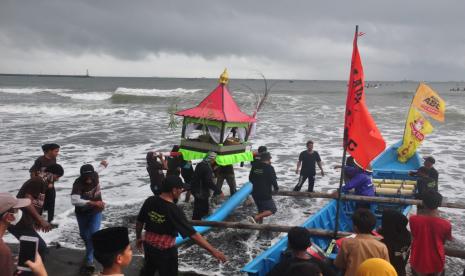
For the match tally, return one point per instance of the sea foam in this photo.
(31, 90)
(154, 92)
(88, 96)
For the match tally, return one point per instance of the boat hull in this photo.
(385, 166)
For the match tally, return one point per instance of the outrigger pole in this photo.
(451, 252)
(378, 199)
(344, 154)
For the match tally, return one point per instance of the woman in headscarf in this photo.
(397, 239)
(376, 267)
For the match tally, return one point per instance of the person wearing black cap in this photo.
(32, 219)
(256, 156)
(428, 164)
(112, 250)
(162, 220)
(88, 206)
(298, 240)
(201, 184)
(263, 178)
(49, 158)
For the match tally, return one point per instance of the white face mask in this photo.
(18, 215)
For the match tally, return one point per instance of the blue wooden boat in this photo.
(225, 209)
(385, 166)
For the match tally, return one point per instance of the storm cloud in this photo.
(420, 40)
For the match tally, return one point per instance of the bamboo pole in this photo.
(265, 227)
(451, 252)
(378, 199)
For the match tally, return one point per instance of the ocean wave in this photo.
(88, 96)
(32, 90)
(140, 92)
(60, 111)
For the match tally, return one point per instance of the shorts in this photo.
(265, 205)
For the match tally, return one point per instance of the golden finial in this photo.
(224, 78)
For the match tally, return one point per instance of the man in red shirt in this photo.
(429, 233)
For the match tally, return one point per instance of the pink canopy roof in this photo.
(219, 106)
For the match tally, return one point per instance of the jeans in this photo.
(88, 225)
(165, 262)
(20, 230)
(302, 179)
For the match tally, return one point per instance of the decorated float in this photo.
(216, 124)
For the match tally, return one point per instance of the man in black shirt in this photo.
(298, 240)
(32, 220)
(162, 221)
(51, 152)
(263, 177)
(201, 185)
(427, 168)
(307, 160)
(432, 172)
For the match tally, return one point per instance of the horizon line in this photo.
(161, 77)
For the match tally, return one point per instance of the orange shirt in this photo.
(355, 251)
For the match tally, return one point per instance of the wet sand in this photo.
(62, 261)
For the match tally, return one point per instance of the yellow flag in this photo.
(416, 128)
(428, 101)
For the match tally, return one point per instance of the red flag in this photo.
(361, 136)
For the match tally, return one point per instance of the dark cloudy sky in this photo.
(418, 40)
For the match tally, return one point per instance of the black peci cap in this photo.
(110, 240)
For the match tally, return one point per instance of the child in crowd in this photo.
(363, 246)
(112, 250)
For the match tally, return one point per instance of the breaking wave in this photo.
(31, 90)
(140, 92)
(88, 96)
(58, 111)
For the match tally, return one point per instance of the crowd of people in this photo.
(383, 252)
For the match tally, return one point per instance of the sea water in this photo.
(120, 119)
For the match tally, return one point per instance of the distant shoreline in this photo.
(46, 75)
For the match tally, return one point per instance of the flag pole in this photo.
(408, 113)
(344, 154)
